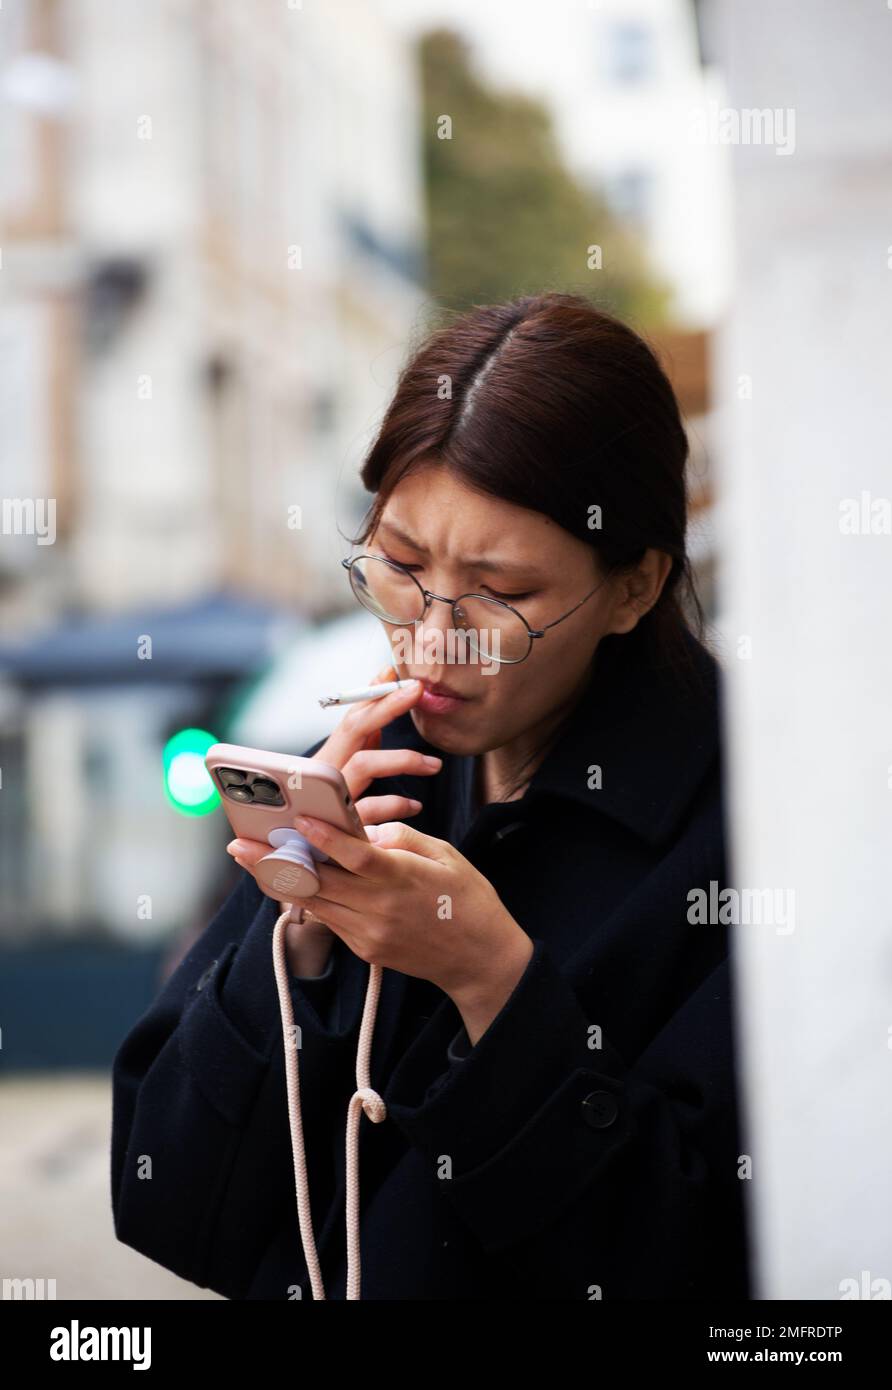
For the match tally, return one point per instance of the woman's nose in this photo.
(437, 616)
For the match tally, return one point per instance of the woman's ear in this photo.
(637, 590)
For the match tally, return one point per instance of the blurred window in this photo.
(628, 52)
(630, 194)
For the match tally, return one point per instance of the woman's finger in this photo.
(358, 856)
(350, 852)
(371, 763)
(373, 810)
(373, 740)
(363, 719)
(344, 921)
(250, 852)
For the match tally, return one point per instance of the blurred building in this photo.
(211, 237)
(630, 124)
(211, 224)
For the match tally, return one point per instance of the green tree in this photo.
(505, 217)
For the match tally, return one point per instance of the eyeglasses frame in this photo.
(428, 597)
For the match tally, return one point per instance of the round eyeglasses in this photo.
(493, 629)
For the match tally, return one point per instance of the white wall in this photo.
(811, 710)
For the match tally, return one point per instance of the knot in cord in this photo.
(372, 1104)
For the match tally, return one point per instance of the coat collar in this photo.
(653, 738)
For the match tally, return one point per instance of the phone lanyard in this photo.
(364, 1098)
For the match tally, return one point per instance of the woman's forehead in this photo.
(439, 511)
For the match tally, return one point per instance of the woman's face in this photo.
(458, 541)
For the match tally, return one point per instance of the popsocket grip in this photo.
(290, 871)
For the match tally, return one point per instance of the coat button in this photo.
(203, 979)
(600, 1109)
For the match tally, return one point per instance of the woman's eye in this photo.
(403, 564)
(512, 598)
(506, 598)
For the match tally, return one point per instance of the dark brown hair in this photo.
(551, 403)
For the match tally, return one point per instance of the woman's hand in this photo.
(353, 747)
(413, 903)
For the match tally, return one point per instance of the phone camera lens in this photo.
(231, 777)
(267, 792)
(240, 793)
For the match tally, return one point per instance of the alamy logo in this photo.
(745, 125)
(29, 516)
(29, 1288)
(76, 1343)
(458, 646)
(865, 1287)
(770, 907)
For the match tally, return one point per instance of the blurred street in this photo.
(55, 1194)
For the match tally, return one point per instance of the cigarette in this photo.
(366, 692)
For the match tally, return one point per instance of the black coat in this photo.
(592, 1130)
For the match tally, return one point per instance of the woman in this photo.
(554, 1041)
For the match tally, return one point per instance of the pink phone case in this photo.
(308, 787)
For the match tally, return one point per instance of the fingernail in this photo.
(416, 805)
(372, 832)
(236, 847)
(432, 762)
(308, 825)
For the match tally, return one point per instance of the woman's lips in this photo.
(439, 699)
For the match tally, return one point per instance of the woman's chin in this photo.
(441, 733)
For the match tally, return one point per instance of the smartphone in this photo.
(262, 792)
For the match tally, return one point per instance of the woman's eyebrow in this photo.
(470, 562)
(401, 535)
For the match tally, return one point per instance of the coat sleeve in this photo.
(593, 1177)
(202, 1179)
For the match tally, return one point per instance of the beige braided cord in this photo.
(364, 1098)
(367, 1099)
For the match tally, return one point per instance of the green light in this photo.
(188, 785)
